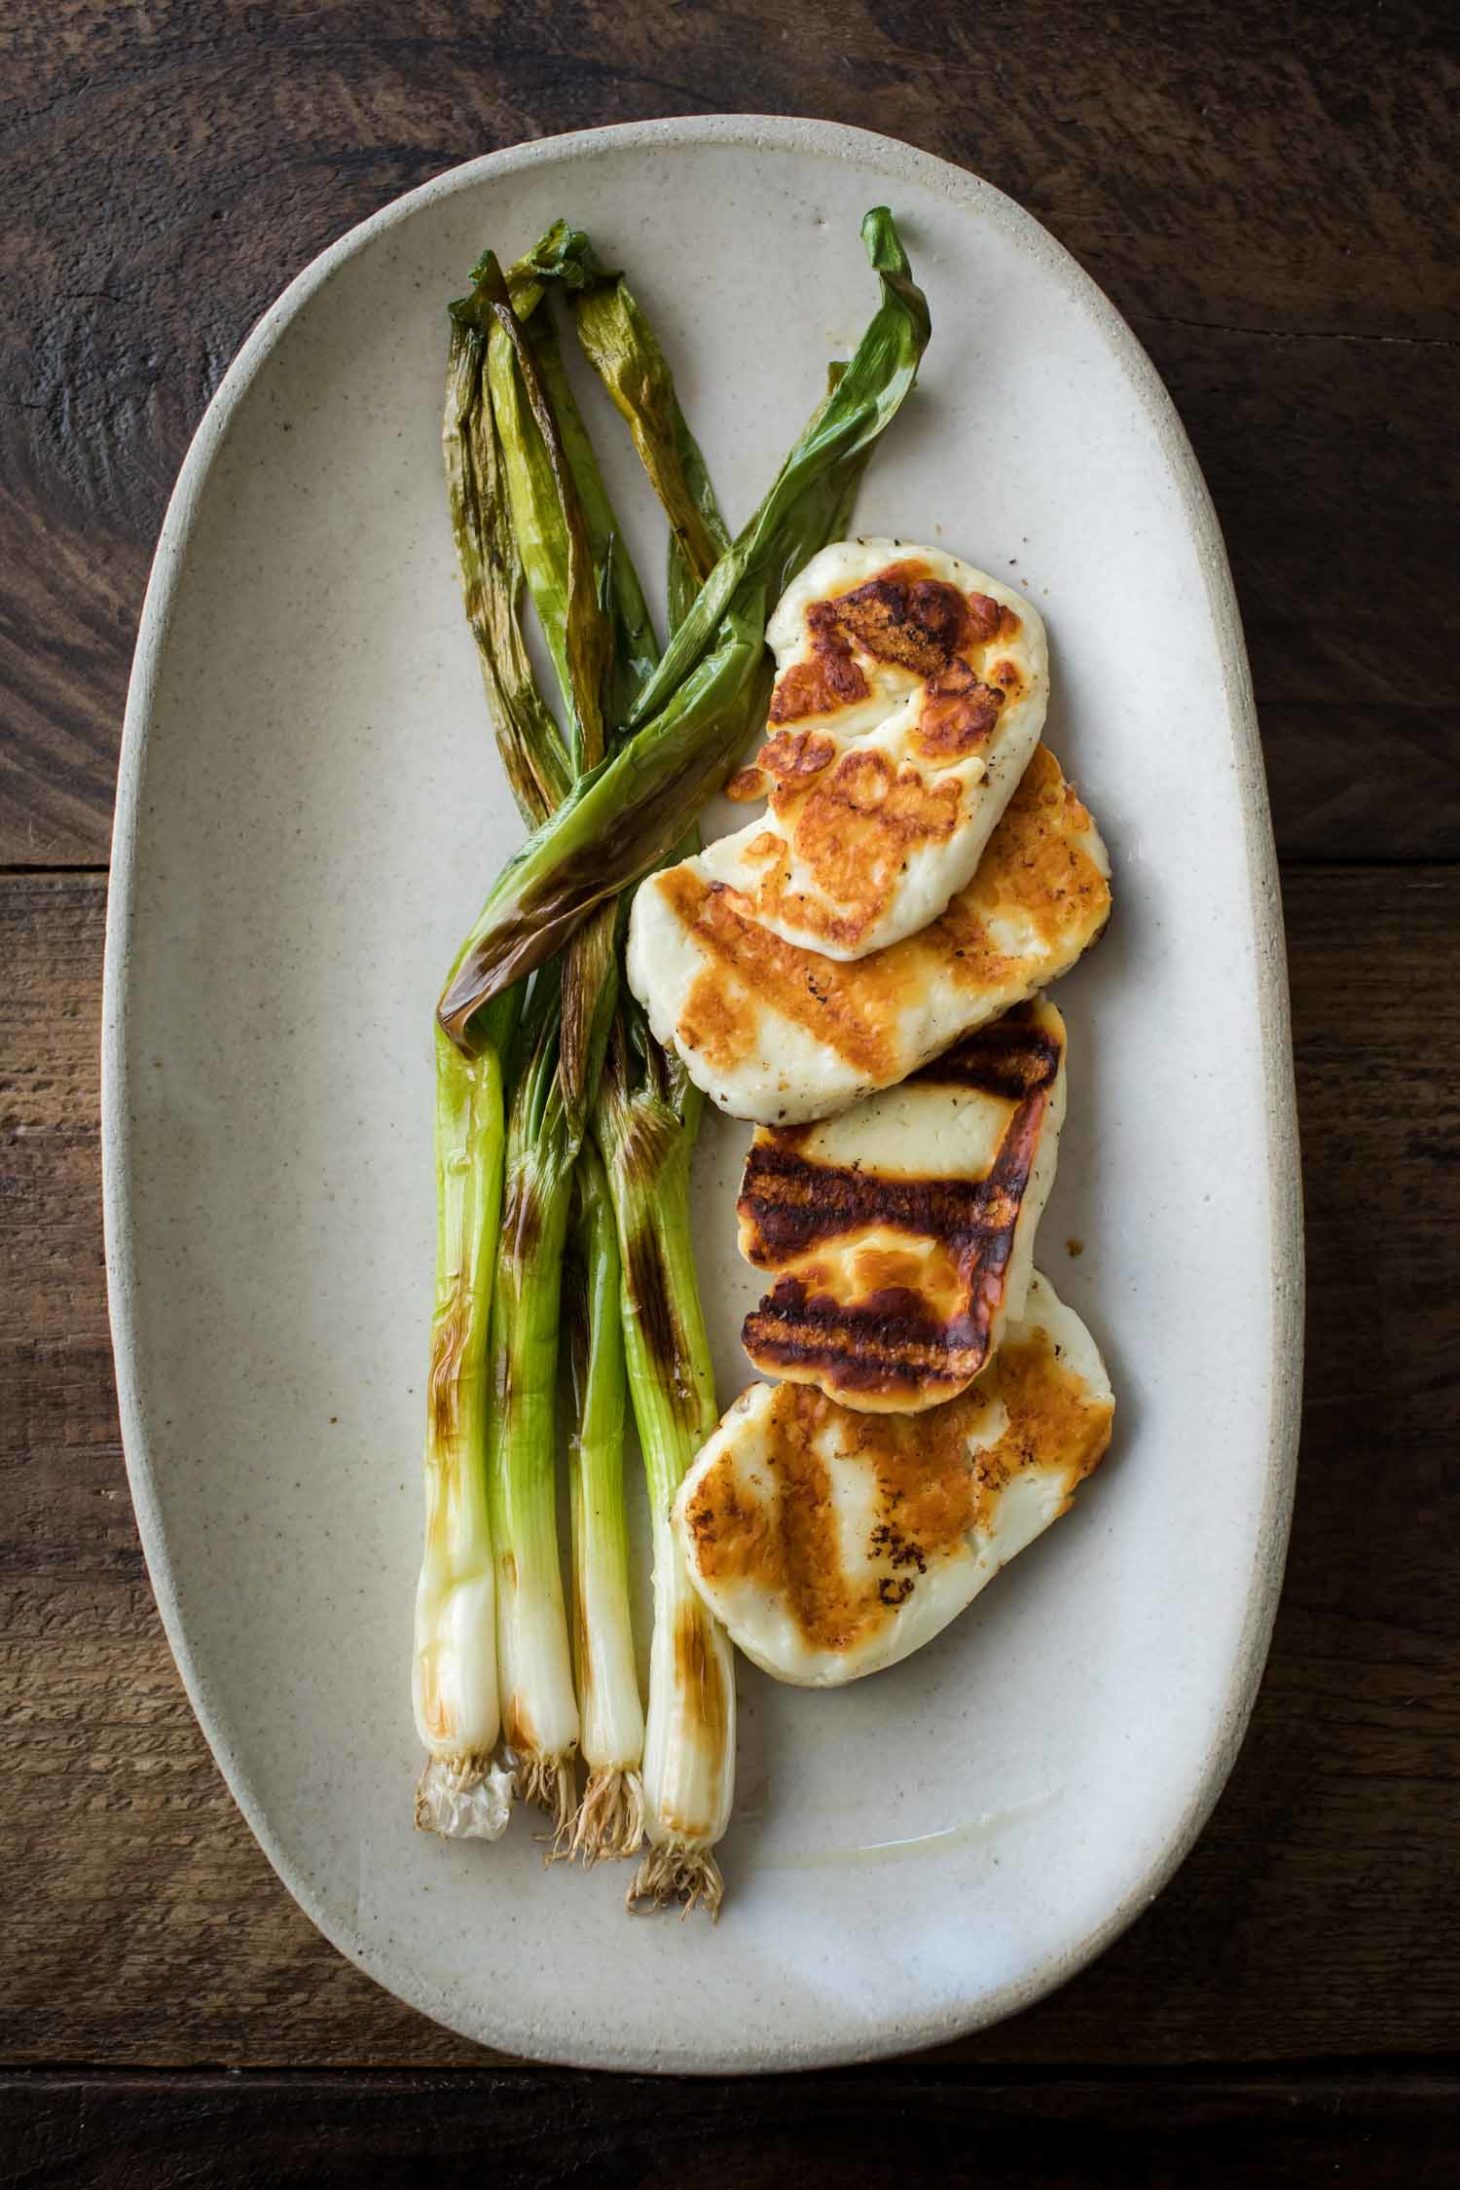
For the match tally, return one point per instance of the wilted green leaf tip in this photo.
(566, 255)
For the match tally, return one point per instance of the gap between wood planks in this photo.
(1293, 334)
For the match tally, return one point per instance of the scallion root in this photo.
(610, 1820)
(673, 1872)
(551, 1784)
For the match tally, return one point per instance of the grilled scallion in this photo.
(648, 1116)
(571, 1010)
(610, 1820)
(559, 1119)
(462, 1792)
(539, 1708)
(692, 717)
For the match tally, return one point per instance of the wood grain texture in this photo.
(1320, 1914)
(1266, 192)
(878, 2130)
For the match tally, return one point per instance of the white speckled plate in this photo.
(309, 811)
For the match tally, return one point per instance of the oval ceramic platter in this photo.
(310, 809)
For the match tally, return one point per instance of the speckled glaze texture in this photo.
(309, 812)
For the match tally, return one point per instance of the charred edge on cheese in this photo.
(904, 616)
(1012, 1057)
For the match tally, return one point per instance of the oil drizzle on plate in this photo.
(917, 1846)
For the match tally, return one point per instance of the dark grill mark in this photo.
(577, 1311)
(522, 1215)
(795, 1205)
(883, 1344)
(648, 1291)
(642, 1143)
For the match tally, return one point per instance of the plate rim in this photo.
(895, 161)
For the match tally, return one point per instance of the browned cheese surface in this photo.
(937, 1479)
(1033, 870)
(856, 820)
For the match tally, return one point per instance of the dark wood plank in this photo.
(1320, 1914)
(1338, 539)
(1268, 195)
(877, 2130)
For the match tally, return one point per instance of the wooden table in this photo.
(1266, 193)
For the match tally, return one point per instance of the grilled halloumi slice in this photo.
(832, 1543)
(780, 1034)
(910, 693)
(901, 1234)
